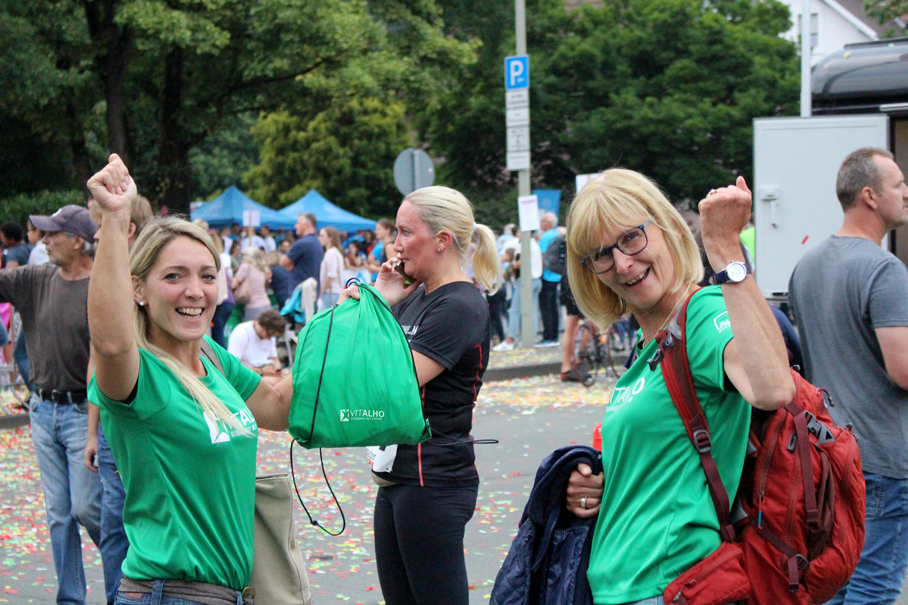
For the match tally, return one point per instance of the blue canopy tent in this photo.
(228, 208)
(327, 214)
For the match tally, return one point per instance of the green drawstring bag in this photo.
(354, 379)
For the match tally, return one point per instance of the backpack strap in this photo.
(676, 371)
(208, 352)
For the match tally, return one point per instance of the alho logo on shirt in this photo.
(623, 395)
(721, 321)
(348, 415)
(221, 432)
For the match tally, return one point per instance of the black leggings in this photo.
(419, 543)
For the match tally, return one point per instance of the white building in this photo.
(833, 24)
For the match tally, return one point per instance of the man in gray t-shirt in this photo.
(52, 300)
(850, 298)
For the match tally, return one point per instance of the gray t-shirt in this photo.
(54, 314)
(840, 292)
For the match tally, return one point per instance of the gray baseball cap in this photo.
(72, 219)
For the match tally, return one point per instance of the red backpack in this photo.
(802, 495)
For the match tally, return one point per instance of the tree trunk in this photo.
(80, 156)
(174, 183)
(114, 43)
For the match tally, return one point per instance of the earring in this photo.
(438, 250)
(141, 304)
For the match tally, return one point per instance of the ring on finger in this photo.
(712, 191)
(583, 503)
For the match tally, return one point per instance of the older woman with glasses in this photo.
(628, 249)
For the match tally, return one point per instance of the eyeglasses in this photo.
(631, 242)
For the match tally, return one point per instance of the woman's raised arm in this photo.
(756, 361)
(110, 292)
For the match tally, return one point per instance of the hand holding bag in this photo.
(354, 379)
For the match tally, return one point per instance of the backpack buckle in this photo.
(703, 441)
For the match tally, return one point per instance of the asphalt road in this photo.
(529, 417)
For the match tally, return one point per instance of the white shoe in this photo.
(504, 346)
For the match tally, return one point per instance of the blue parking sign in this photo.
(517, 72)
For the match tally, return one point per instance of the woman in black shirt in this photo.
(428, 491)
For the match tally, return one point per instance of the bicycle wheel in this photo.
(586, 355)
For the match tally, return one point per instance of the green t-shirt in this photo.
(657, 519)
(190, 481)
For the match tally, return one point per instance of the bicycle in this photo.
(594, 350)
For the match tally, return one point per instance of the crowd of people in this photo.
(149, 443)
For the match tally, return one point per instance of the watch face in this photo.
(736, 272)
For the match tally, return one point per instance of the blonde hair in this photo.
(444, 209)
(157, 234)
(255, 257)
(615, 201)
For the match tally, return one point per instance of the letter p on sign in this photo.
(517, 72)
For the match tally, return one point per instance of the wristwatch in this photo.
(734, 273)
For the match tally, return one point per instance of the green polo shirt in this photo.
(189, 480)
(657, 518)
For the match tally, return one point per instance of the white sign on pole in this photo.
(519, 116)
(518, 160)
(252, 218)
(516, 98)
(528, 210)
(518, 139)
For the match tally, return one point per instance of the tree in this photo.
(346, 152)
(168, 74)
(888, 11)
(666, 87)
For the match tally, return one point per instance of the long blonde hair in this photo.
(618, 200)
(444, 209)
(157, 234)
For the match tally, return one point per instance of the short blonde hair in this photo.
(444, 209)
(615, 201)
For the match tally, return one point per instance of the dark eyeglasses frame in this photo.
(585, 261)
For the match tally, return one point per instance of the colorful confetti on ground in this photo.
(530, 417)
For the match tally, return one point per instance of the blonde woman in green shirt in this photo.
(628, 249)
(183, 433)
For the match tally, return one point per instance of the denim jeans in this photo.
(881, 570)
(114, 542)
(20, 354)
(514, 311)
(649, 601)
(71, 491)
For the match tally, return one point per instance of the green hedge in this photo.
(19, 207)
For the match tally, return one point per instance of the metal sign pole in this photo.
(527, 329)
(806, 51)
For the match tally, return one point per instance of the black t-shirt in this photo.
(451, 327)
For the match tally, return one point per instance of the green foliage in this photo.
(154, 80)
(666, 87)
(886, 11)
(346, 152)
(19, 207)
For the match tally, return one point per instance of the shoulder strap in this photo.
(208, 352)
(680, 383)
